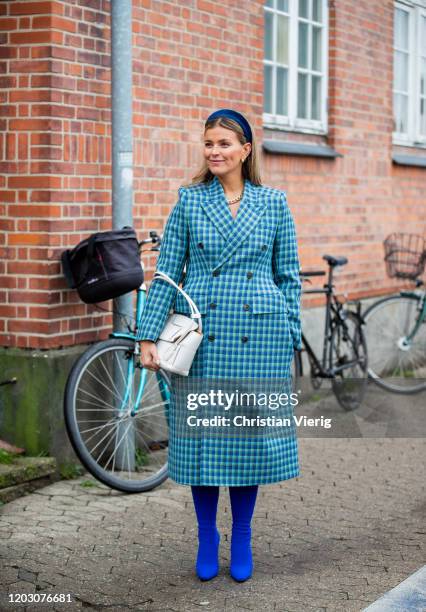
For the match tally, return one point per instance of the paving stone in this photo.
(335, 539)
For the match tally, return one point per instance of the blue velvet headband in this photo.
(238, 117)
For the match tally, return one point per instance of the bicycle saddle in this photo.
(335, 261)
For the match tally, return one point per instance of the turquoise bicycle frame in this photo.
(131, 367)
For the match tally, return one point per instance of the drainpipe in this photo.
(122, 140)
(122, 194)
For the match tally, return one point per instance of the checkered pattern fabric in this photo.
(243, 274)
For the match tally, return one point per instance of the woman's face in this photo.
(223, 151)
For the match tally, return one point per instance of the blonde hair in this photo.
(250, 166)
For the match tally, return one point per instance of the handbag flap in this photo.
(177, 326)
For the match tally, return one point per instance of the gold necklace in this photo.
(235, 200)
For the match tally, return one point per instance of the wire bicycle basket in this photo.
(405, 255)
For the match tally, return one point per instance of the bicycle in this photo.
(116, 411)
(396, 324)
(344, 354)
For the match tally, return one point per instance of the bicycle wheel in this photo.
(124, 451)
(348, 360)
(394, 363)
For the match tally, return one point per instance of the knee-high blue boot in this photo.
(205, 503)
(243, 500)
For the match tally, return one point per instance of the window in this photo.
(295, 64)
(409, 64)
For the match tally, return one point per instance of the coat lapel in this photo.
(216, 207)
(235, 231)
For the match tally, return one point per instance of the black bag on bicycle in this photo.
(104, 266)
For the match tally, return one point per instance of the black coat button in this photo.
(201, 245)
(211, 338)
(216, 272)
(213, 305)
(264, 247)
(246, 307)
(249, 274)
(244, 339)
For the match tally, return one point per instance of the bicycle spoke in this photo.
(147, 391)
(390, 356)
(98, 380)
(114, 425)
(117, 446)
(110, 378)
(92, 421)
(128, 455)
(120, 368)
(101, 426)
(144, 410)
(110, 407)
(144, 439)
(114, 434)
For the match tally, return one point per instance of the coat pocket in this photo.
(269, 301)
(199, 297)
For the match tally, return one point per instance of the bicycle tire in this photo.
(296, 370)
(73, 429)
(376, 322)
(347, 349)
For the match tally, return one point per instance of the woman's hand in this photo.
(149, 355)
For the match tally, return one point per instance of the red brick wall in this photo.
(188, 59)
(346, 206)
(55, 163)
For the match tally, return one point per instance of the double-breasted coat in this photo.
(243, 274)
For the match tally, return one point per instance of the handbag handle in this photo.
(195, 313)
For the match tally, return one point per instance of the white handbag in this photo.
(181, 336)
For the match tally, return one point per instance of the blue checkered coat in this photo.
(243, 274)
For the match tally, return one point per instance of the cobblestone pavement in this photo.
(351, 527)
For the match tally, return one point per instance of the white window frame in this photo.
(416, 10)
(292, 122)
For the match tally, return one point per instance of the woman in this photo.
(238, 241)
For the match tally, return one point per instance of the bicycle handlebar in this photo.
(154, 239)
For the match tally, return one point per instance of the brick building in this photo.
(336, 91)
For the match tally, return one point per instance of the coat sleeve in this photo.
(171, 260)
(286, 266)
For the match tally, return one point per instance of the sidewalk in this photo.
(337, 538)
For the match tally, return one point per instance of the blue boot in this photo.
(205, 503)
(243, 500)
